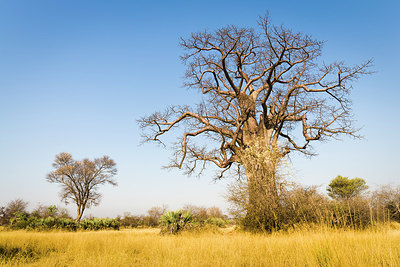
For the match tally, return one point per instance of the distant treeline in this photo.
(298, 206)
(15, 216)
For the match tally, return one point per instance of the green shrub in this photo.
(24, 221)
(99, 224)
(173, 222)
(19, 220)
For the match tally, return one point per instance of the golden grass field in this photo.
(145, 247)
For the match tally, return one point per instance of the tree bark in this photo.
(260, 161)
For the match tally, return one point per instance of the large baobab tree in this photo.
(80, 179)
(266, 93)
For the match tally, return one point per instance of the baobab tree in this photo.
(80, 179)
(266, 93)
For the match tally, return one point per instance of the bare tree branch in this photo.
(256, 84)
(79, 180)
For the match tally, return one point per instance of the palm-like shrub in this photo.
(173, 222)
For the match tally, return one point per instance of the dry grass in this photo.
(146, 248)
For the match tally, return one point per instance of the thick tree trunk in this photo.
(260, 161)
(260, 157)
(263, 202)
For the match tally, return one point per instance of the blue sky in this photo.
(75, 76)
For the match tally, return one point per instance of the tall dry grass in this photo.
(145, 247)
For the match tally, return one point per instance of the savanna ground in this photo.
(145, 247)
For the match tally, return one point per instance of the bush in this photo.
(19, 220)
(173, 222)
(24, 221)
(304, 206)
(216, 221)
(131, 221)
(14, 208)
(385, 203)
(199, 214)
(99, 224)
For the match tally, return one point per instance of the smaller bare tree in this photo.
(12, 209)
(80, 179)
(154, 215)
(16, 206)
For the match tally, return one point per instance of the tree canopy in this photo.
(268, 83)
(343, 188)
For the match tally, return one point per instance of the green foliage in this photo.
(19, 220)
(343, 188)
(52, 210)
(24, 221)
(173, 222)
(99, 224)
(14, 207)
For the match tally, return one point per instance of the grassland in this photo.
(145, 247)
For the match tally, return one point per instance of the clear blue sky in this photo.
(75, 76)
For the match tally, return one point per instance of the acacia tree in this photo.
(80, 179)
(266, 93)
(343, 188)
